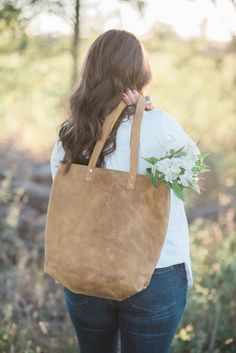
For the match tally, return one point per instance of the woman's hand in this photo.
(130, 97)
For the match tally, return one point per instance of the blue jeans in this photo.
(146, 322)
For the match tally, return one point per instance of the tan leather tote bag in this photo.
(105, 228)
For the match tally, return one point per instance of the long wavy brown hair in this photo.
(115, 61)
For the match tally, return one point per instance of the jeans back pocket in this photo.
(159, 295)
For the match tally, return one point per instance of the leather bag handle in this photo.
(108, 124)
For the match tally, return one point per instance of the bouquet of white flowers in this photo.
(178, 168)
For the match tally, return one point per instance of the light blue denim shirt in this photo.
(156, 128)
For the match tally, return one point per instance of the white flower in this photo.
(168, 167)
(178, 168)
(190, 147)
(177, 165)
(186, 178)
(192, 150)
(185, 162)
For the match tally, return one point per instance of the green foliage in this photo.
(33, 317)
(16, 15)
(178, 188)
(209, 320)
(12, 27)
(9, 15)
(151, 160)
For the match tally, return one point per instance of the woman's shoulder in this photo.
(160, 115)
(57, 149)
(162, 120)
(165, 126)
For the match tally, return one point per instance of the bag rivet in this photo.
(90, 170)
(130, 184)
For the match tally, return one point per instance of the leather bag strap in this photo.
(134, 140)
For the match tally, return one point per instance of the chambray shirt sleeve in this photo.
(57, 155)
(171, 128)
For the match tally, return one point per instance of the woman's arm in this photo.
(57, 155)
(173, 131)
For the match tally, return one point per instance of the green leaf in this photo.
(180, 154)
(178, 190)
(179, 150)
(167, 183)
(176, 153)
(196, 169)
(154, 179)
(151, 160)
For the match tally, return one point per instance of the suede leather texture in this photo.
(102, 237)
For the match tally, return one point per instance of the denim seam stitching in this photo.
(149, 310)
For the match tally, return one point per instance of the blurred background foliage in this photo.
(194, 79)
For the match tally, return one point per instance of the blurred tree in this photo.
(58, 7)
(16, 15)
(75, 40)
(224, 20)
(9, 15)
(12, 26)
(139, 4)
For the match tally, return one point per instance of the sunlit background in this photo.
(187, 18)
(192, 50)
